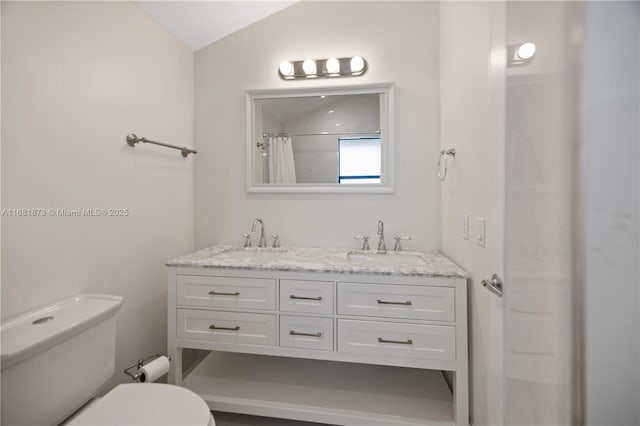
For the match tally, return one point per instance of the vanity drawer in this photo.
(306, 296)
(226, 292)
(227, 327)
(437, 342)
(397, 301)
(306, 332)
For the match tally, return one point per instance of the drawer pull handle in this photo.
(214, 327)
(220, 293)
(293, 296)
(399, 342)
(296, 333)
(385, 302)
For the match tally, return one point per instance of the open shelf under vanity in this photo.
(322, 391)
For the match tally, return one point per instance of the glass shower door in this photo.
(539, 143)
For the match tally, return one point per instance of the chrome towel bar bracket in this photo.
(132, 140)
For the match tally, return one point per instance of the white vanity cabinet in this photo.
(338, 348)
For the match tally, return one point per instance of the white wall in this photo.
(76, 78)
(610, 201)
(400, 42)
(466, 119)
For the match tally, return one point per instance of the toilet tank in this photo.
(56, 358)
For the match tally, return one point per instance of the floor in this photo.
(229, 419)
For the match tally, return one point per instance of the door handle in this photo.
(494, 285)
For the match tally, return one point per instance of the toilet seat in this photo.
(147, 404)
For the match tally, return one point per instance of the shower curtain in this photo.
(281, 165)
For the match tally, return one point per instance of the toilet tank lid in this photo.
(28, 334)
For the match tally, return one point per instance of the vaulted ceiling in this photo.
(200, 23)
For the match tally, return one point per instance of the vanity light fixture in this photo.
(309, 67)
(357, 65)
(520, 54)
(333, 66)
(286, 69)
(314, 68)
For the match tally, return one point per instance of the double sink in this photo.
(352, 257)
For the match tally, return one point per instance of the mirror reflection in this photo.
(320, 139)
(327, 139)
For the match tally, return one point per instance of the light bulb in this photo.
(286, 68)
(357, 64)
(309, 66)
(333, 66)
(526, 50)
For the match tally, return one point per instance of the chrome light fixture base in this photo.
(322, 68)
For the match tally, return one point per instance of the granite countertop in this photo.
(348, 261)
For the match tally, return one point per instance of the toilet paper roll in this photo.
(155, 369)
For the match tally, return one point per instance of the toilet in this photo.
(56, 359)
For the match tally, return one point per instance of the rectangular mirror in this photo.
(332, 139)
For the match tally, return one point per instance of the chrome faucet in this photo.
(397, 246)
(365, 241)
(262, 242)
(381, 245)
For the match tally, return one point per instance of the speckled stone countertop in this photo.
(408, 263)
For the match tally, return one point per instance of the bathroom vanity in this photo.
(331, 336)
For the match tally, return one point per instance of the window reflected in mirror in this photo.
(359, 160)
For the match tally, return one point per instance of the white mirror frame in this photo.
(387, 131)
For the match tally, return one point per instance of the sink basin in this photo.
(251, 254)
(389, 258)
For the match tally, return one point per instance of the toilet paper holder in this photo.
(135, 375)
